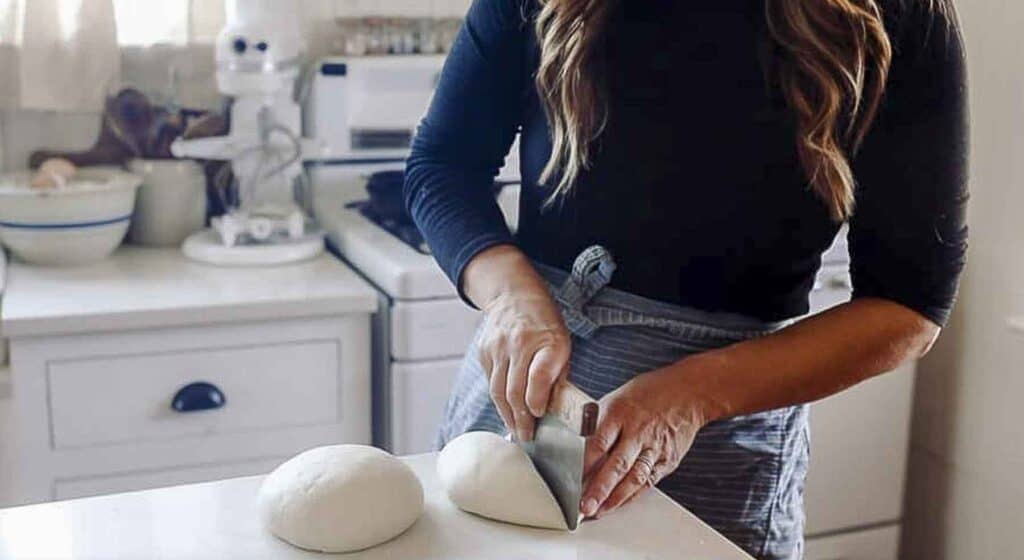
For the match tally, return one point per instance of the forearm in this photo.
(502, 269)
(465, 136)
(810, 360)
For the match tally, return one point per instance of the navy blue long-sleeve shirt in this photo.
(696, 187)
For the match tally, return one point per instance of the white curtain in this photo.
(65, 55)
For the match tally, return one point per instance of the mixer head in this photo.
(259, 51)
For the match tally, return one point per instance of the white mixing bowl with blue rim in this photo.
(82, 222)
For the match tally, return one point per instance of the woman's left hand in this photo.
(645, 428)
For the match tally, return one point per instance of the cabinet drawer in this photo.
(419, 392)
(428, 330)
(127, 398)
(859, 442)
(882, 543)
(131, 482)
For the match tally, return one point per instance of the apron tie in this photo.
(591, 272)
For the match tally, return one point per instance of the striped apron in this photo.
(743, 476)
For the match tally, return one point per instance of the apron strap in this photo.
(591, 272)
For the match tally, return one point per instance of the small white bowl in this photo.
(81, 223)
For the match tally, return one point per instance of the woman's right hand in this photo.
(524, 345)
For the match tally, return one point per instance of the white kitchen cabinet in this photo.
(854, 492)
(265, 384)
(419, 391)
(880, 543)
(426, 330)
(148, 370)
(859, 443)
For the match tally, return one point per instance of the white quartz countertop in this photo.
(141, 288)
(219, 520)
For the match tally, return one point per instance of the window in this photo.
(150, 23)
(175, 22)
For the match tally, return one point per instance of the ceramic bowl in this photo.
(80, 223)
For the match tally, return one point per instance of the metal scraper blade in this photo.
(557, 452)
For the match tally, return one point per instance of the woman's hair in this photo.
(830, 62)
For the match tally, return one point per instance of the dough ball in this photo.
(54, 172)
(485, 474)
(340, 498)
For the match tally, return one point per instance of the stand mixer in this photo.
(258, 57)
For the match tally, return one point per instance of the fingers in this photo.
(515, 394)
(532, 373)
(600, 444)
(524, 346)
(662, 469)
(547, 365)
(498, 380)
(640, 477)
(610, 474)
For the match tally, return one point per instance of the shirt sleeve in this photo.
(462, 141)
(908, 234)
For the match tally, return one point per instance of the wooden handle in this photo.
(589, 424)
(574, 407)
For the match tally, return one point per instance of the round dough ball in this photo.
(485, 474)
(340, 498)
(54, 172)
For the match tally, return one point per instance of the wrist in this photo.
(696, 391)
(499, 271)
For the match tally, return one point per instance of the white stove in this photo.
(365, 110)
(423, 328)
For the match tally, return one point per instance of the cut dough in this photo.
(490, 476)
(340, 498)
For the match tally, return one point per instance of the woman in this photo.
(715, 149)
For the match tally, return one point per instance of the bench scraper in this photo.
(559, 443)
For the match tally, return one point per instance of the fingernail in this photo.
(589, 505)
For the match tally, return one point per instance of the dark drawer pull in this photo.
(196, 397)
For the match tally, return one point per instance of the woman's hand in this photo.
(524, 344)
(646, 427)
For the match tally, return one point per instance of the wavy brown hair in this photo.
(830, 62)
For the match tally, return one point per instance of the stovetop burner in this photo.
(403, 229)
(386, 208)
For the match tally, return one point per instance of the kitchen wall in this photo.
(21, 132)
(966, 484)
